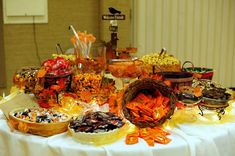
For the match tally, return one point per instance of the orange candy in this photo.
(41, 73)
(148, 108)
(132, 139)
(150, 135)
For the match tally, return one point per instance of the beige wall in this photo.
(2, 57)
(82, 14)
(19, 38)
(202, 31)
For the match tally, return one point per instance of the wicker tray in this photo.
(152, 85)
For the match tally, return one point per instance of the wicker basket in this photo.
(151, 85)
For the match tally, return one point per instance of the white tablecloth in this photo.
(187, 140)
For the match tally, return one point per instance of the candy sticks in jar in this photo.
(83, 41)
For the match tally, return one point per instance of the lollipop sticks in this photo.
(82, 40)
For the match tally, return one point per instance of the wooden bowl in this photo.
(178, 79)
(42, 129)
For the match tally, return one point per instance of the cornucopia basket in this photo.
(150, 86)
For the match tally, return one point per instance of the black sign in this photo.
(113, 17)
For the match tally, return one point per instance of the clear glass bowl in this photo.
(125, 68)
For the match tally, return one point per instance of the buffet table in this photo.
(187, 140)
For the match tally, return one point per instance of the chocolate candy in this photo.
(96, 122)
